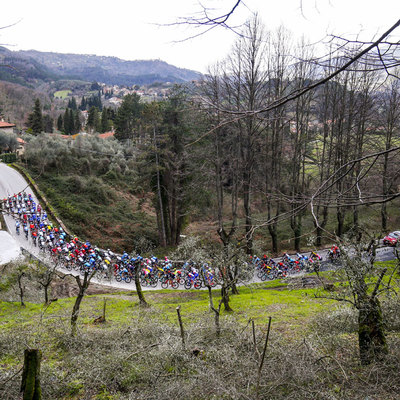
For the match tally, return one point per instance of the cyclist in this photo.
(26, 230)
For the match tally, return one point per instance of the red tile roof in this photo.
(4, 124)
(106, 135)
(62, 136)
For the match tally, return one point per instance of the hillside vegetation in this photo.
(138, 353)
(94, 190)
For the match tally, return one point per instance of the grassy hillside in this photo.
(93, 189)
(96, 210)
(137, 353)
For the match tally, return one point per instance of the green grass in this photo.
(136, 346)
(62, 94)
(289, 308)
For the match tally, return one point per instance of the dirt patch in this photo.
(299, 282)
(279, 288)
(68, 287)
(305, 282)
(181, 295)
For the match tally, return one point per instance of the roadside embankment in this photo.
(41, 197)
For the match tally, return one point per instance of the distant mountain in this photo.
(23, 70)
(31, 66)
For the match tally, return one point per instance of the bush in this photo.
(8, 158)
(75, 184)
(98, 192)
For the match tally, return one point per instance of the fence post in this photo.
(262, 358)
(30, 385)
(178, 311)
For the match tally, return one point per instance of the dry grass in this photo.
(146, 360)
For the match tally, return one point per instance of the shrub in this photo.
(75, 184)
(8, 158)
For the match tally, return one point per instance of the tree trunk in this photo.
(320, 228)
(210, 297)
(217, 325)
(248, 218)
(371, 334)
(385, 185)
(30, 385)
(142, 300)
(21, 289)
(216, 312)
(225, 298)
(46, 294)
(296, 227)
(340, 218)
(75, 311)
(232, 278)
(273, 231)
(160, 202)
(384, 217)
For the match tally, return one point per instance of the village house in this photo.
(21, 146)
(6, 126)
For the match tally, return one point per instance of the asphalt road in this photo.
(12, 182)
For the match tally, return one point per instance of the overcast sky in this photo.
(130, 29)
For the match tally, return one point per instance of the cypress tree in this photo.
(71, 121)
(60, 123)
(35, 119)
(77, 122)
(48, 123)
(67, 126)
(83, 105)
(104, 120)
(93, 119)
(73, 105)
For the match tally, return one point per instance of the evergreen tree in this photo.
(93, 119)
(71, 122)
(72, 104)
(99, 105)
(67, 126)
(83, 104)
(77, 122)
(35, 119)
(128, 116)
(104, 120)
(60, 123)
(48, 123)
(95, 86)
(111, 114)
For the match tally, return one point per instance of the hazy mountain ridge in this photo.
(23, 70)
(110, 70)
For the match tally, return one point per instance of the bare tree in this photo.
(222, 156)
(44, 275)
(300, 139)
(365, 284)
(245, 82)
(83, 286)
(278, 127)
(390, 123)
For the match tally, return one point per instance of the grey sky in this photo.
(129, 30)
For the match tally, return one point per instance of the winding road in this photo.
(12, 182)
